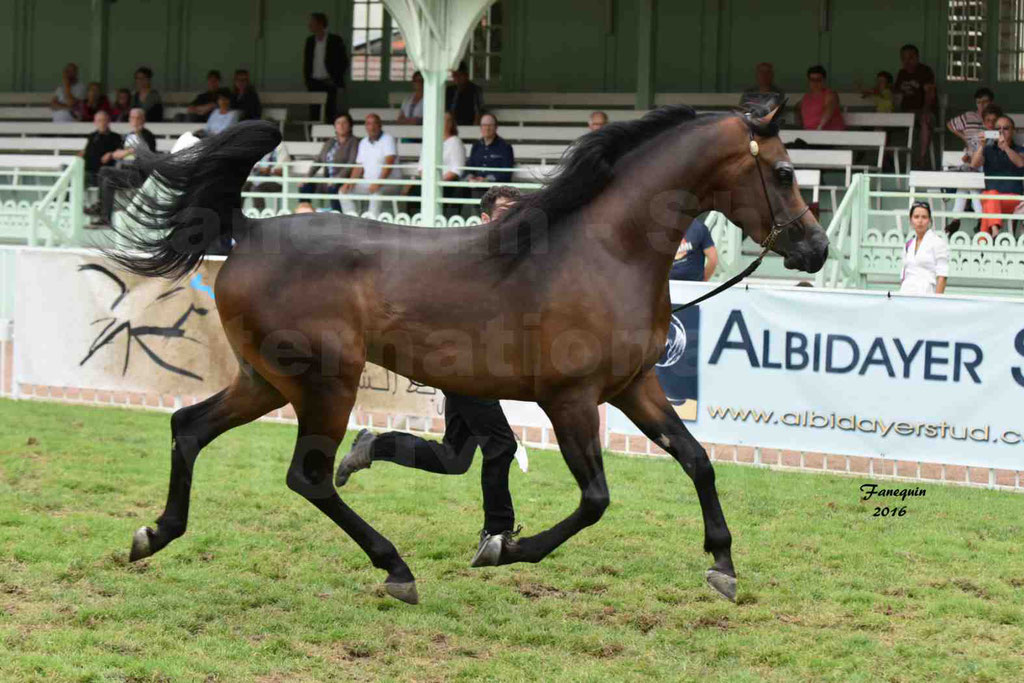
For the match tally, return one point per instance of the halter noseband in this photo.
(768, 242)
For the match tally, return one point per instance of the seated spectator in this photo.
(490, 151)
(244, 97)
(915, 84)
(94, 101)
(270, 166)
(819, 107)
(99, 147)
(925, 255)
(764, 92)
(202, 106)
(697, 257)
(412, 109)
(122, 106)
(67, 95)
(377, 154)
(453, 160)
(966, 127)
(341, 149)
(1000, 157)
(881, 94)
(497, 201)
(464, 98)
(597, 120)
(139, 137)
(223, 116)
(146, 97)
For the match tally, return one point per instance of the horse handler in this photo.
(469, 423)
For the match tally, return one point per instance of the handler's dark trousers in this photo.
(469, 422)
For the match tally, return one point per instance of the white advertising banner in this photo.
(82, 322)
(937, 379)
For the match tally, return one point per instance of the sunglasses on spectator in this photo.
(1004, 128)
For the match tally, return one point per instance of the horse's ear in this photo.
(775, 115)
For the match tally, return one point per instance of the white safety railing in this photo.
(870, 229)
(41, 199)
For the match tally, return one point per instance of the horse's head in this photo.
(762, 194)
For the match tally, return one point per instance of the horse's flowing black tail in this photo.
(179, 206)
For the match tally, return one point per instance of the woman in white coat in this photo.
(925, 256)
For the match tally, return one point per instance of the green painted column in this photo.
(645, 56)
(433, 123)
(99, 40)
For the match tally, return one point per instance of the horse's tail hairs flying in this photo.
(177, 206)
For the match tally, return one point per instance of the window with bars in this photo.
(484, 56)
(401, 68)
(965, 40)
(367, 39)
(1011, 41)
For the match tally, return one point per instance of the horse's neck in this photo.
(644, 214)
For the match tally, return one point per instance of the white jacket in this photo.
(922, 267)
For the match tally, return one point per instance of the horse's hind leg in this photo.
(323, 417)
(645, 404)
(192, 428)
(577, 426)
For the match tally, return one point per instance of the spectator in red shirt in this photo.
(915, 83)
(819, 107)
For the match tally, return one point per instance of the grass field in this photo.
(264, 588)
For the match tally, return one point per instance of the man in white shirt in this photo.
(377, 153)
(67, 95)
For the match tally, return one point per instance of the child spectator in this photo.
(966, 128)
(881, 94)
(122, 106)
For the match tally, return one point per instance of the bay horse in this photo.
(564, 302)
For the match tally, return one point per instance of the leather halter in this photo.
(766, 245)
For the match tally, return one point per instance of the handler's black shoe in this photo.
(488, 554)
(359, 458)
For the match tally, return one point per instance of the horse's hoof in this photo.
(723, 584)
(406, 591)
(140, 544)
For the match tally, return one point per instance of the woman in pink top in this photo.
(819, 107)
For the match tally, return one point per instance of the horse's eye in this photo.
(784, 174)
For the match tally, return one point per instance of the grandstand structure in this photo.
(858, 177)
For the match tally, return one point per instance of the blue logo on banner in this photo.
(678, 367)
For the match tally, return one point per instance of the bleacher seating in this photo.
(888, 122)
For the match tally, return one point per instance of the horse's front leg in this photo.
(645, 404)
(577, 425)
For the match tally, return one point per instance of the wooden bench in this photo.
(511, 133)
(895, 122)
(597, 100)
(26, 113)
(41, 128)
(843, 139)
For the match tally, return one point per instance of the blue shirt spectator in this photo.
(223, 116)
(998, 163)
(696, 257)
(491, 151)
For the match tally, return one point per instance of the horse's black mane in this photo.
(587, 168)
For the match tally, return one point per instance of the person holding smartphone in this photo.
(1003, 161)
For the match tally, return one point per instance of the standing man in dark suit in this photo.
(324, 64)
